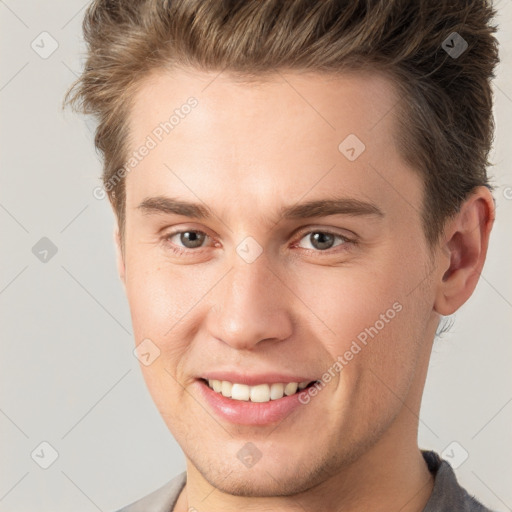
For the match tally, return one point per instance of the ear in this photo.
(119, 255)
(464, 243)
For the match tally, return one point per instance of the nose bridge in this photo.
(251, 305)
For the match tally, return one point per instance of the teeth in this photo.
(240, 392)
(260, 393)
(290, 388)
(226, 388)
(276, 391)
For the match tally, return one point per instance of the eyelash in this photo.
(346, 241)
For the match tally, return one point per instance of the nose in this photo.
(251, 305)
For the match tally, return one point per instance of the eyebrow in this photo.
(309, 209)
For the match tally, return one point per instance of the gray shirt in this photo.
(447, 495)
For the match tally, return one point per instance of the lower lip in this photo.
(249, 413)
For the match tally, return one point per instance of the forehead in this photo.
(324, 105)
(295, 132)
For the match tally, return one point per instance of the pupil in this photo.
(322, 240)
(191, 239)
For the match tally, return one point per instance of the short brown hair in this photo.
(445, 116)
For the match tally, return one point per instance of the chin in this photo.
(281, 476)
(259, 483)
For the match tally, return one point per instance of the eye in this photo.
(189, 239)
(318, 240)
(322, 240)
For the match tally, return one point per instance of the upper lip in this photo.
(254, 379)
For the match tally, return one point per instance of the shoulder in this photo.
(162, 499)
(447, 494)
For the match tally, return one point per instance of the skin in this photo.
(246, 151)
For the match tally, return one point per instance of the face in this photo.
(303, 260)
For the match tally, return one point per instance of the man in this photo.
(301, 195)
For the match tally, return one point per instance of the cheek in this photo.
(367, 319)
(159, 296)
(161, 300)
(168, 304)
(345, 301)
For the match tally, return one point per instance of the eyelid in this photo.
(348, 235)
(166, 238)
(347, 240)
(298, 237)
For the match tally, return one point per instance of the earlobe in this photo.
(466, 239)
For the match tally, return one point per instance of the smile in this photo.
(260, 393)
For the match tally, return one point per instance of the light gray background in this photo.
(68, 375)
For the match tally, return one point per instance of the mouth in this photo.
(260, 393)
